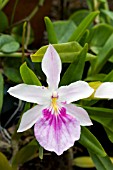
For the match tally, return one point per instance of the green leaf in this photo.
(50, 31)
(78, 16)
(90, 4)
(108, 77)
(108, 125)
(40, 152)
(75, 70)
(84, 38)
(99, 112)
(101, 163)
(67, 51)
(108, 13)
(97, 77)
(0, 2)
(25, 154)
(104, 117)
(12, 74)
(4, 39)
(3, 3)
(103, 1)
(109, 134)
(87, 162)
(111, 59)
(76, 36)
(1, 91)
(95, 49)
(8, 44)
(4, 164)
(103, 56)
(88, 140)
(28, 75)
(64, 30)
(10, 47)
(98, 36)
(83, 162)
(3, 21)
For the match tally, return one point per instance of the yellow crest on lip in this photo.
(54, 104)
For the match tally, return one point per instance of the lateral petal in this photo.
(30, 117)
(31, 93)
(105, 90)
(51, 66)
(75, 91)
(79, 113)
(57, 132)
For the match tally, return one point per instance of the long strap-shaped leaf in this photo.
(103, 56)
(101, 163)
(50, 31)
(88, 140)
(103, 116)
(75, 70)
(76, 36)
(28, 76)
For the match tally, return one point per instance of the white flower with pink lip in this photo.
(57, 122)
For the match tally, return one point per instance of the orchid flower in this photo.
(105, 90)
(57, 121)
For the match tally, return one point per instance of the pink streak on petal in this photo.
(51, 66)
(57, 132)
(79, 113)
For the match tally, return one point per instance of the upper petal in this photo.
(30, 117)
(105, 90)
(31, 93)
(51, 66)
(74, 91)
(79, 113)
(57, 132)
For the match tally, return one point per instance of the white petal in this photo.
(30, 117)
(79, 113)
(51, 66)
(74, 91)
(31, 93)
(105, 90)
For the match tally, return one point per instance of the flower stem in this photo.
(13, 12)
(26, 19)
(17, 54)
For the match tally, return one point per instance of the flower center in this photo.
(54, 94)
(54, 101)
